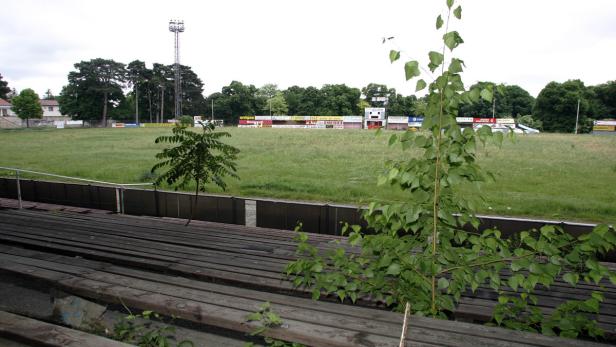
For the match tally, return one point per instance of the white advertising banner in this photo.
(397, 120)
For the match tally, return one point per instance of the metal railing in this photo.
(119, 187)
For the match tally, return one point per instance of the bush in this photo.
(186, 121)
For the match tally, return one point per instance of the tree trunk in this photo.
(192, 205)
(105, 111)
(136, 105)
(162, 105)
(27, 122)
(150, 104)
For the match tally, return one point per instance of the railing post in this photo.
(18, 189)
(117, 193)
(122, 199)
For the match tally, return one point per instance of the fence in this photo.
(278, 214)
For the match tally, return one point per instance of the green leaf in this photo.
(515, 281)
(255, 316)
(393, 269)
(486, 95)
(421, 84)
(443, 283)
(394, 55)
(317, 267)
(392, 139)
(571, 278)
(452, 39)
(474, 94)
(449, 3)
(436, 59)
(411, 69)
(439, 22)
(458, 12)
(456, 65)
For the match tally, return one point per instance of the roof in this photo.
(4, 102)
(49, 103)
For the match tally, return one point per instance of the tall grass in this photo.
(549, 175)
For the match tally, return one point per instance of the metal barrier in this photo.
(269, 213)
(119, 187)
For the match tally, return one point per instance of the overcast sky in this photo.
(310, 43)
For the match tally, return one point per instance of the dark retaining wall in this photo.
(277, 214)
(211, 208)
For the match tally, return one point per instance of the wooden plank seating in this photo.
(236, 256)
(306, 321)
(36, 333)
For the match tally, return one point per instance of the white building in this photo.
(51, 111)
(51, 114)
(5, 109)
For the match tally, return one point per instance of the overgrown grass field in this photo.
(549, 175)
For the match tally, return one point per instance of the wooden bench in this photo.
(229, 254)
(305, 321)
(20, 331)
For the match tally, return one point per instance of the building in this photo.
(51, 115)
(5, 109)
(51, 111)
(8, 118)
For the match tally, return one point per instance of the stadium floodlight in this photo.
(176, 27)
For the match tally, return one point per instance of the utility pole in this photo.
(177, 27)
(162, 103)
(577, 116)
(212, 109)
(136, 105)
(494, 105)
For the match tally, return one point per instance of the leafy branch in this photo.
(421, 251)
(199, 157)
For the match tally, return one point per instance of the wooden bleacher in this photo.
(215, 274)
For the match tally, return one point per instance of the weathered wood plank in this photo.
(296, 327)
(28, 330)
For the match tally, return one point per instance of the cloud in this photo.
(524, 42)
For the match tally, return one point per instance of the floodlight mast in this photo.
(176, 27)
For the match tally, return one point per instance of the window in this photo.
(4, 113)
(50, 108)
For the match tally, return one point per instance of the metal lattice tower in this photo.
(176, 27)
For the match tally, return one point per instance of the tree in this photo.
(484, 108)
(26, 105)
(4, 88)
(517, 101)
(420, 255)
(49, 95)
(278, 104)
(239, 100)
(193, 102)
(310, 102)
(13, 93)
(377, 90)
(556, 105)
(292, 96)
(339, 100)
(199, 157)
(137, 75)
(94, 88)
(362, 105)
(603, 103)
(400, 105)
(265, 94)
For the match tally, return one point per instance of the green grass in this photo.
(551, 176)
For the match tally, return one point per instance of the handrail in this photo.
(119, 187)
(76, 178)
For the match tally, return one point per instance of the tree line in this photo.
(100, 89)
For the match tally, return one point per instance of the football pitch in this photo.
(554, 176)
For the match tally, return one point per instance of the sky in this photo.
(310, 43)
